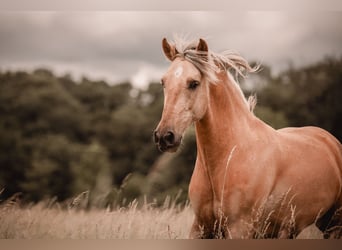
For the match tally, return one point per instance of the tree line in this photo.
(60, 137)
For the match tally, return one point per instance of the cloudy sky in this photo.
(126, 45)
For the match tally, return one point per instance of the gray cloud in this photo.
(126, 45)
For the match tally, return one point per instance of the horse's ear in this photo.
(169, 50)
(202, 46)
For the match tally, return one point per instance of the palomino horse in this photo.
(250, 180)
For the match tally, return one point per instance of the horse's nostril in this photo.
(169, 138)
(164, 141)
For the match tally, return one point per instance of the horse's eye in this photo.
(193, 84)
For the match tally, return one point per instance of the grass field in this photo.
(42, 221)
(50, 221)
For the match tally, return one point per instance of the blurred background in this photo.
(80, 94)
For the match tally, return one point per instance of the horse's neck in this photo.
(226, 122)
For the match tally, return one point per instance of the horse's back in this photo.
(312, 132)
(310, 140)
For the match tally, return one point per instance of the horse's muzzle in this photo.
(166, 141)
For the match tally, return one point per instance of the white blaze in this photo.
(178, 71)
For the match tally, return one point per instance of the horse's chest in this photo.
(233, 196)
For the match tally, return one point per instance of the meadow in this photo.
(52, 220)
(73, 220)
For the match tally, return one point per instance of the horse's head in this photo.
(185, 96)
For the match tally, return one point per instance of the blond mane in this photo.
(210, 63)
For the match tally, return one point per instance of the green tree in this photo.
(307, 96)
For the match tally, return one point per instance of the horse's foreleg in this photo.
(196, 231)
(199, 231)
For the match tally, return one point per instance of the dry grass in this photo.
(48, 220)
(40, 222)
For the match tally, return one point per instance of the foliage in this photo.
(306, 96)
(60, 137)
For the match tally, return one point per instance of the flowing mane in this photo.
(209, 63)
